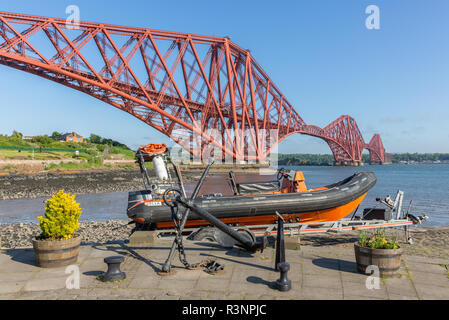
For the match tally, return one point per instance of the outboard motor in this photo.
(156, 153)
(159, 168)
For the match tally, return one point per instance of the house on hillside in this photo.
(71, 137)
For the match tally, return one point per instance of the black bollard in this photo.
(280, 245)
(283, 284)
(114, 273)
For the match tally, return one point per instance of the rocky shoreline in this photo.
(45, 184)
(429, 242)
(20, 235)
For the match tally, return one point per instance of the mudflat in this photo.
(43, 184)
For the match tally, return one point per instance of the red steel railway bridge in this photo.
(178, 83)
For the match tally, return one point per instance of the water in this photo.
(426, 184)
(95, 207)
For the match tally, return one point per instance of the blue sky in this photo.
(393, 81)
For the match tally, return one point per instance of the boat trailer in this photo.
(355, 223)
(254, 238)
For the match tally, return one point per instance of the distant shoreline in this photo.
(44, 184)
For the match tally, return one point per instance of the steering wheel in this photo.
(171, 194)
(280, 173)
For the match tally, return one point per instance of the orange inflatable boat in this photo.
(257, 203)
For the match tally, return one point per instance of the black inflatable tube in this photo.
(334, 196)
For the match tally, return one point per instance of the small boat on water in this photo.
(256, 203)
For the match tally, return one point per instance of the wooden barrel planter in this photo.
(56, 253)
(387, 260)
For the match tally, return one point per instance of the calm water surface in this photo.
(426, 184)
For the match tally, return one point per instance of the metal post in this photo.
(280, 245)
(283, 283)
(399, 208)
(408, 238)
(143, 170)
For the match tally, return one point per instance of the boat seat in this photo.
(253, 187)
(259, 187)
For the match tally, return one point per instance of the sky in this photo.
(394, 80)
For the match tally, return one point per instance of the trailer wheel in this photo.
(142, 227)
(216, 235)
(202, 234)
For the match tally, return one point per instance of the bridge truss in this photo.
(200, 91)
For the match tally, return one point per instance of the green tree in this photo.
(96, 139)
(56, 135)
(16, 134)
(43, 140)
(103, 141)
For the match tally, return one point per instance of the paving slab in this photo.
(400, 287)
(324, 272)
(401, 297)
(323, 281)
(142, 239)
(16, 276)
(176, 285)
(430, 292)
(360, 289)
(355, 297)
(314, 293)
(45, 284)
(213, 285)
(312, 269)
(9, 287)
(426, 267)
(434, 279)
(182, 274)
(251, 284)
(143, 282)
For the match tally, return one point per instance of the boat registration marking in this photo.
(153, 204)
(208, 201)
(259, 198)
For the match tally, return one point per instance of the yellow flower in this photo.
(61, 216)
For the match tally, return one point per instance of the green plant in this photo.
(62, 213)
(126, 166)
(377, 240)
(9, 168)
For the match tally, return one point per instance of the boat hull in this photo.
(330, 203)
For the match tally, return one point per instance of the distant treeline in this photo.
(328, 159)
(420, 157)
(100, 140)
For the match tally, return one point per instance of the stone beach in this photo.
(43, 184)
(20, 235)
